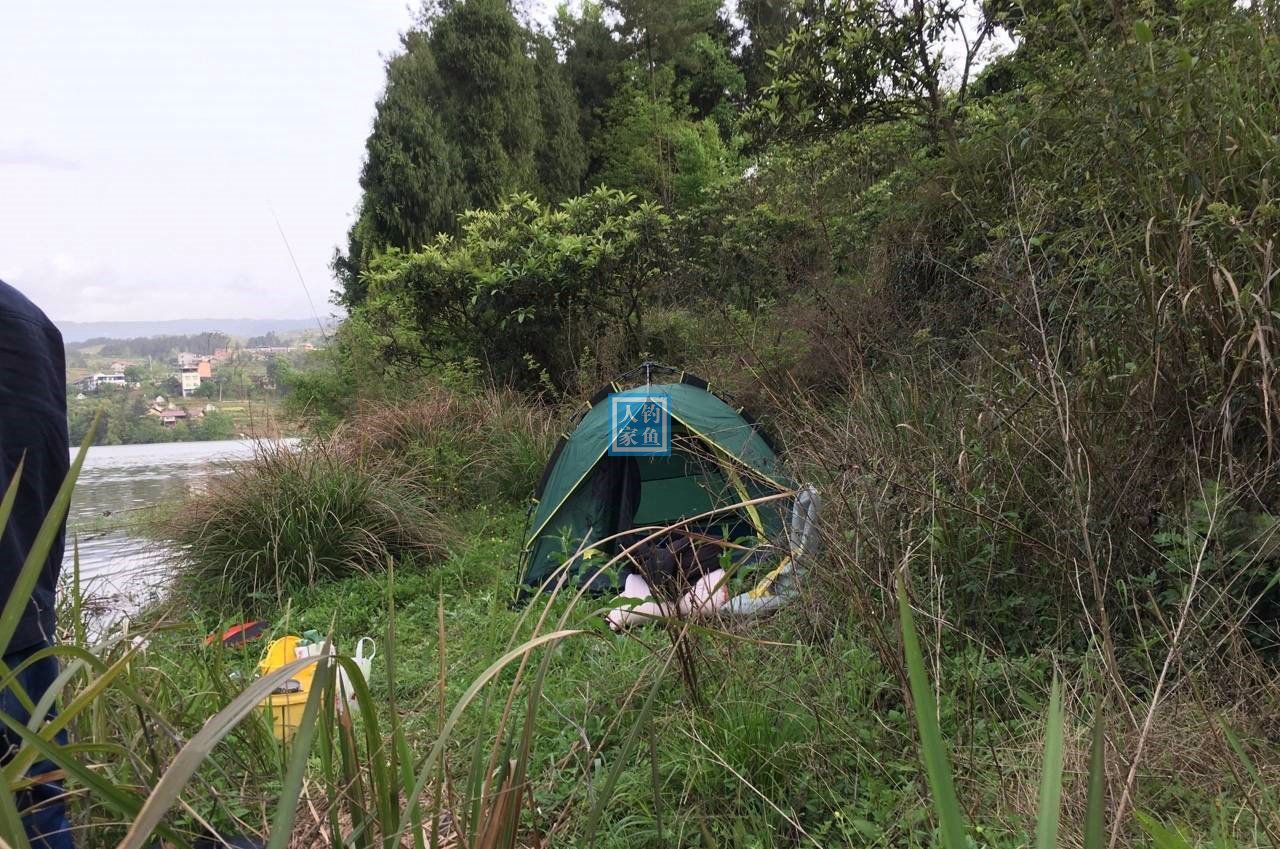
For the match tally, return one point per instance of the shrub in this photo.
(289, 518)
(464, 448)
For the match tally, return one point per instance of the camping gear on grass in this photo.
(287, 702)
(779, 585)
(588, 500)
(238, 635)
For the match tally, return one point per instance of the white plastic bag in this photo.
(364, 662)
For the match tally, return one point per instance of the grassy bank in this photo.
(799, 730)
(799, 741)
(1019, 336)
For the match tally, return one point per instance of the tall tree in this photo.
(562, 157)
(412, 180)
(592, 59)
(475, 108)
(488, 99)
(858, 61)
(692, 37)
(653, 145)
(767, 24)
(659, 31)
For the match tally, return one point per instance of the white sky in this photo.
(144, 144)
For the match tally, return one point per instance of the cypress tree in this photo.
(475, 109)
(593, 59)
(562, 156)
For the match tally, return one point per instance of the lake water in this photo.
(119, 569)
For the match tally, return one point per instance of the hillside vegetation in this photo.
(1011, 313)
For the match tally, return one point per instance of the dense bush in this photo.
(460, 448)
(524, 288)
(378, 486)
(289, 518)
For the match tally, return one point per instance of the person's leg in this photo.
(645, 609)
(708, 594)
(44, 803)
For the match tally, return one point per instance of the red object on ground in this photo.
(238, 635)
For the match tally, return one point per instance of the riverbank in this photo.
(793, 730)
(124, 496)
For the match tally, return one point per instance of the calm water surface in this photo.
(118, 568)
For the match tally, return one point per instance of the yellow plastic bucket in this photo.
(285, 709)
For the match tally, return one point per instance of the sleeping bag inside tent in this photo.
(719, 458)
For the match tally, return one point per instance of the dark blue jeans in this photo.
(43, 805)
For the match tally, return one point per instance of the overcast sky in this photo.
(145, 143)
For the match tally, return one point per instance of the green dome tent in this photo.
(719, 458)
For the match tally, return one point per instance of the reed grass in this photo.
(291, 518)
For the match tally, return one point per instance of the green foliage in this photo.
(525, 287)
(661, 31)
(656, 148)
(290, 518)
(561, 155)
(592, 60)
(767, 22)
(475, 108)
(852, 62)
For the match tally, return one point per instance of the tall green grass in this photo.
(290, 518)
(953, 831)
(368, 770)
(165, 745)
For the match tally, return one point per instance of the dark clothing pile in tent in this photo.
(592, 505)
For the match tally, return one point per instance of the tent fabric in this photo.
(718, 458)
(782, 584)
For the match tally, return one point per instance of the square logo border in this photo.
(616, 402)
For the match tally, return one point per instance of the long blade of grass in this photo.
(77, 596)
(353, 785)
(1051, 780)
(1268, 800)
(328, 770)
(11, 830)
(400, 773)
(1162, 837)
(29, 575)
(198, 749)
(933, 749)
(119, 800)
(1095, 811)
(521, 763)
(83, 700)
(11, 493)
(437, 800)
(385, 785)
(433, 757)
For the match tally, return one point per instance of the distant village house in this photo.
(170, 414)
(94, 381)
(192, 371)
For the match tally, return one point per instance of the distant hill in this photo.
(80, 331)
